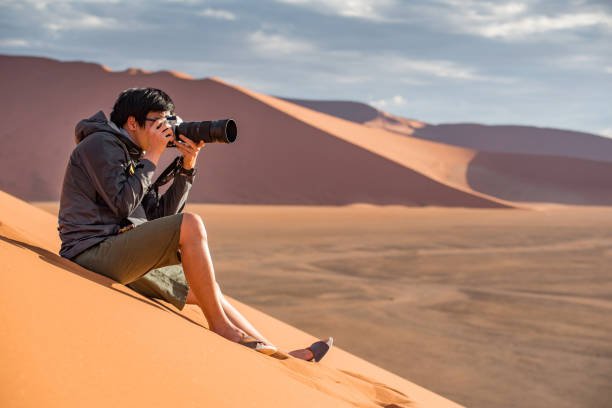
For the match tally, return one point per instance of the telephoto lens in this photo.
(213, 131)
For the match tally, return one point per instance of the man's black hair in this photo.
(138, 102)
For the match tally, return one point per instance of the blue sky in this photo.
(542, 63)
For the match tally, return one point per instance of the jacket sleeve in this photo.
(172, 201)
(104, 161)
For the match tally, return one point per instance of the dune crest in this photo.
(277, 159)
(76, 338)
(362, 113)
(286, 153)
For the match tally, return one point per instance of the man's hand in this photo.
(158, 135)
(189, 150)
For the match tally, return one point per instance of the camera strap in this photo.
(164, 178)
(169, 172)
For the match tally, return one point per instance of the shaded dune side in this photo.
(354, 111)
(286, 154)
(523, 179)
(299, 163)
(442, 163)
(277, 159)
(47, 99)
(93, 342)
(540, 179)
(529, 140)
(362, 113)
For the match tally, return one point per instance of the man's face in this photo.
(140, 133)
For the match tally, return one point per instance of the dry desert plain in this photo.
(489, 308)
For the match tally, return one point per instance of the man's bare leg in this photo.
(200, 274)
(241, 322)
(233, 314)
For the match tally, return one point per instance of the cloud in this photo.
(606, 132)
(218, 14)
(357, 67)
(484, 10)
(394, 101)
(593, 63)
(409, 68)
(273, 45)
(441, 69)
(455, 59)
(489, 19)
(83, 21)
(63, 15)
(524, 27)
(189, 2)
(360, 9)
(513, 21)
(14, 43)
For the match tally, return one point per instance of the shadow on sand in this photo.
(78, 270)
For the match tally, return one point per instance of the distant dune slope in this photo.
(286, 153)
(541, 179)
(513, 178)
(489, 138)
(276, 159)
(363, 113)
(73, 338)
(354, 111)
(521, 139)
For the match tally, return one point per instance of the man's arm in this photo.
(175, 198)
(172, 201)
(103, 159)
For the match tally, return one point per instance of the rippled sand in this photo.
(490, 308)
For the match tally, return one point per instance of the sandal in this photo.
(257, 345)
(320, 348)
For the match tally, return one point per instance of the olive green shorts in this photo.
(145, 258)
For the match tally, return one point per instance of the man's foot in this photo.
(238, 336)
(315, 352)
(258, 345)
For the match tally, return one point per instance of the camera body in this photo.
(213, 131)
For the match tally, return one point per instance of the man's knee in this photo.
(192, 228)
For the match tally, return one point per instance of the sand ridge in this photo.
(76, 338)
(443, 163)
(285, 153)
(530, 140)
(489, 308)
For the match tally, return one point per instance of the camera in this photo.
(210, 131)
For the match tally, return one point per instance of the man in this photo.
(112, 220)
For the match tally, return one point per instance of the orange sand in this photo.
(285, 153)
(75, 338)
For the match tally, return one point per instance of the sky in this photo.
(541, 63)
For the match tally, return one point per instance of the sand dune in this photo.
(362, 113)
(75, 338)
(508, 179)
(488, 308)
(286, 153)
(529, 140)
(277, 159)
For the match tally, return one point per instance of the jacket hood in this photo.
(99, 123)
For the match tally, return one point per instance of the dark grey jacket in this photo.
(100, 194)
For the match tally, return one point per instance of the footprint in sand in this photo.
(381, 394)
(355, 389)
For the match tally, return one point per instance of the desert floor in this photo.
(490, 308)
